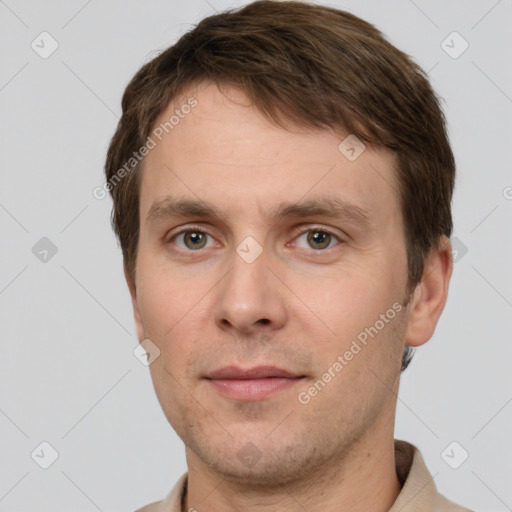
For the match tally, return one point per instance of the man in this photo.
(282, 181)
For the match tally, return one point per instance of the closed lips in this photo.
(258, 372)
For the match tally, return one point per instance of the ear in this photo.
(430, 294)
(136, 313)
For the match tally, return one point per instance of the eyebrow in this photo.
(330, 207)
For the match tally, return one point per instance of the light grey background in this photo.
(68, 373)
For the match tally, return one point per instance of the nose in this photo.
(250, 298)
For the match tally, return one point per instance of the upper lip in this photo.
(257, 372)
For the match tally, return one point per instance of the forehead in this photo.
(224, 152)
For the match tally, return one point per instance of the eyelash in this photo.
(197, 229)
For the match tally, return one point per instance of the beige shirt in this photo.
(418, 494)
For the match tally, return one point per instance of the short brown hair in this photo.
(313, 66)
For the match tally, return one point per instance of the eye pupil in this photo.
(196, 237)
(319, 237)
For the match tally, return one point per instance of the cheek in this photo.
(358, 319)
(164, 297)
(346, 300)
(172, 315)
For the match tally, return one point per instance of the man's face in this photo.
(213, 300)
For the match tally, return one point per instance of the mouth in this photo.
(252, 384)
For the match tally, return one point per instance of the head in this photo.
(243, 136)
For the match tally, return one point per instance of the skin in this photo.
(296, 306)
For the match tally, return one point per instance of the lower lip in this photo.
(253, 389)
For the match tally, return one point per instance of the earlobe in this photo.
(136, 313)
(430, 295)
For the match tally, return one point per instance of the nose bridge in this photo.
(247, 295)
(246, 281)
